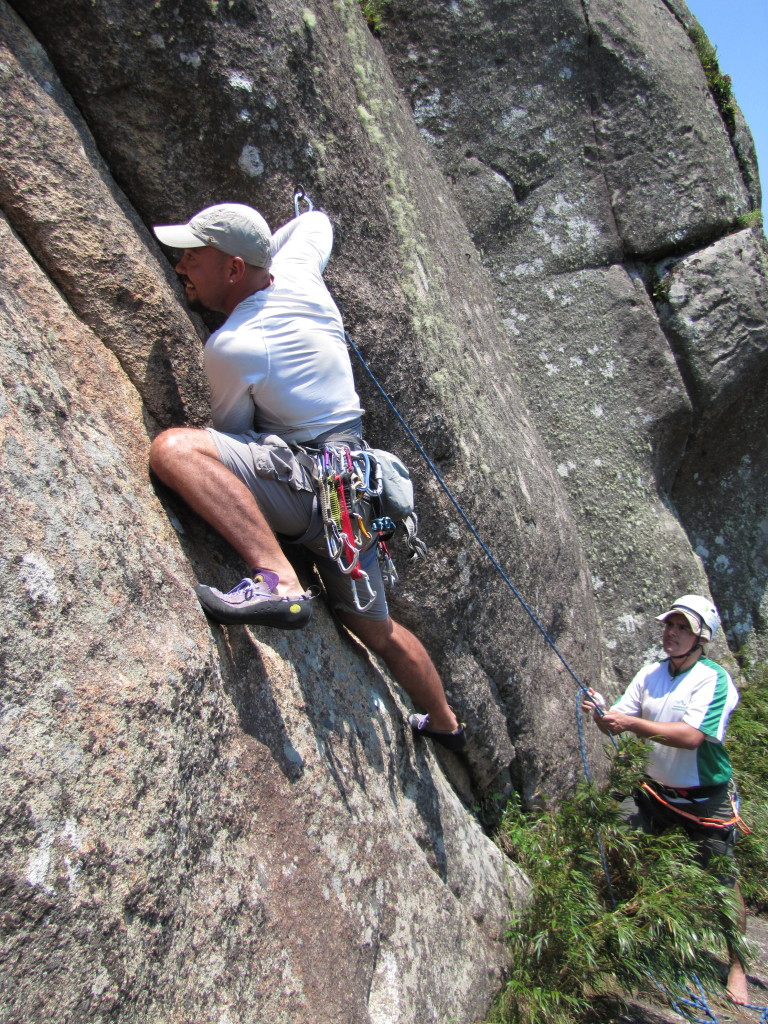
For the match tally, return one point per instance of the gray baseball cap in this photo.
(232, 228)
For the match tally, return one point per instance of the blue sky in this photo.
(739, 31)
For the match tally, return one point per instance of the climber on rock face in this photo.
(681, 706)
(280, 377)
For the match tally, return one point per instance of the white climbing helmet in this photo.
(701, 614)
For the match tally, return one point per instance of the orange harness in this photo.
(736, 820)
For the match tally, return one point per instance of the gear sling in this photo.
(363, 495)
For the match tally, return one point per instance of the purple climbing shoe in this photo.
(455, 740)
(254, 602)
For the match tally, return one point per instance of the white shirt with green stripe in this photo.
(703, 696)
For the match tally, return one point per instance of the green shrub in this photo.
(657, 922)
(753, 219)
(659, 287)
(373, 11)
(719, 84)
(747, 744)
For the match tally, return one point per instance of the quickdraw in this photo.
(347, 481)
(736, 820)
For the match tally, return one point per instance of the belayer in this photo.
(281, 383)
(681, 706)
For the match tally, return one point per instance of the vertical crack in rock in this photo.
(590, 40)
(59, 196)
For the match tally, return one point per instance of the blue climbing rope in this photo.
(695, 1001)
(588, 775)
(299, 196)
(468, 522)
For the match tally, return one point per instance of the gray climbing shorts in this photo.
(283, 488)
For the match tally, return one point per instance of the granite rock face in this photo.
(596, 172)
(197, 825)
(59, 195)
(234, 824)
(540, 252)
(714, 309)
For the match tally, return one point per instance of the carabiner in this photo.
(388, 570)
(371, 592)
(298, 195)
(347, 569)
(334, 541)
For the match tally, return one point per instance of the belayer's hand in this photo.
(596, 702)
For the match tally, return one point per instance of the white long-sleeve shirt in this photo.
(280, 364)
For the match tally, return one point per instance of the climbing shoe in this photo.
(455, 740)
(253, 602)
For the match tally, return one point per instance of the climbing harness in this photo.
(736, 821)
